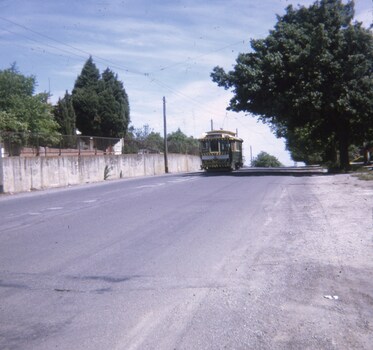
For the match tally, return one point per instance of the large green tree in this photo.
(100, 103)
(85, 100)
(314, 72)
(20, 108)
(265, 160)
(114, 106)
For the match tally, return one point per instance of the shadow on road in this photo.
(285, 171)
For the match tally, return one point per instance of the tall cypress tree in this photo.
(85, 100)
(65, 115)
(114, 106)
(100, 103)
(89, 76)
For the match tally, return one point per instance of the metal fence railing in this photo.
(13, 144)
(29, 144)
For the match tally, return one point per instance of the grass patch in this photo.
(363, 172)
(366, 176)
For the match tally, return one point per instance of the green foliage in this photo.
(20, 109)
(9, 122)
(65, 115)
(145, 139)
(13, 83)
(178, 142)
(114, 105)
(85, 100)
(304, 147)
(265, 160)
(100, 103)
(155, 142)
(314, 72)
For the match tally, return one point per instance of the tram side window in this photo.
(205, 146)
(236, 146)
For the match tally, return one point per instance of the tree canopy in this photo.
(147, 140)
(143, 140)
(178, 142)
(20, 109)
(100, 103)
(265, 160)
(310, 79)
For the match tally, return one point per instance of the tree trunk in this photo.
(366, 153)
(343, 145)
(330, 153)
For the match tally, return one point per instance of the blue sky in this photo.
(157, 48)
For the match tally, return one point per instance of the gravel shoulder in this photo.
(327, 248)
(304, 280)
(336, 226)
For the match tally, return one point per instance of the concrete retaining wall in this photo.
(22, 174)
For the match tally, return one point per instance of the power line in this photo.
(200, 56)
(150, 76)
(178, 93)
(46, 44)
(112, 64)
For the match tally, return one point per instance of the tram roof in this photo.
(220, 134)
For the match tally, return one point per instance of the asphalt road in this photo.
(192, 261)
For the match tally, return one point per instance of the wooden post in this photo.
(165, 137)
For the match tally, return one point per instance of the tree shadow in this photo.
(284, 171)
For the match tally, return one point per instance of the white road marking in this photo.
(164, 183)
(181, 180)
(151, 186)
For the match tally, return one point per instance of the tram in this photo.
(220, 149)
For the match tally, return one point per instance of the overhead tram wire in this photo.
(242, 119)
(45, 44)
(106, 60)
(112, 64)
(176, 92)
(200, 56)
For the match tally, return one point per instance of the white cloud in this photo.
(366, 17)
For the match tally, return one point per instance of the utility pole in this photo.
(165, 137)
(212, 125)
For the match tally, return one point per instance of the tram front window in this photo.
(214, 146)
(224, 146)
